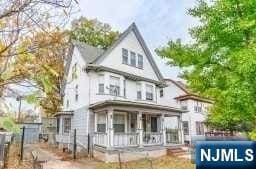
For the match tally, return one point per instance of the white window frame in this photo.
(125, 56)
(66, 126)
(140, 61)
(114, 88)
(133, 59)
(149, 92)
(101, 84)
(139, 90)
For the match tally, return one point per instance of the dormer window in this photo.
(140, 61)
(125, 56)
(133, 59)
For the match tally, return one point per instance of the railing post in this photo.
(163, 129)
(139, 128)
(110, 115)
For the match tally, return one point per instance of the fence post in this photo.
(119, 160)
(22, 143)
(74, 145)
(88, 146)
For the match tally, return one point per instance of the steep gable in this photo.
(131, 40)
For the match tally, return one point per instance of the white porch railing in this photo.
(125, 139)
(152, 138)
(100, 139)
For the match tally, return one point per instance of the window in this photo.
(149, 92)
(125, 56)
(161, 92)
(153, 124)
(139, 94)
(101, 84)
(67, 104)
(184, 105)
(185, 127)
(140, 61)
(58, 125)
(198, 107)
(114, 86)
(67, 125)
(119, 123)
(101, 123)
(76, 95)
(199, 128)
(74, 71)
(133, 59)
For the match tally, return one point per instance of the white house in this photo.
(193, 121)
(117, 96)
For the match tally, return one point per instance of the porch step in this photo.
(176, 151)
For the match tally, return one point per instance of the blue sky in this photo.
(158, 20)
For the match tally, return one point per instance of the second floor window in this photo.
(76, 95)
(114, 88)
(198, 107)
(140, 61)
(101, 84)
(149, 92)
(125, 56)
(139, 93)
(185, 127)
(199, 128)
(133, 59)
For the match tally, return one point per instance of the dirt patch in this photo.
(14, 162)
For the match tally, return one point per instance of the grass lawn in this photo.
(166, 162)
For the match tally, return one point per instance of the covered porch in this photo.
(122, 124)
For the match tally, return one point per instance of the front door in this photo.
(149, 123)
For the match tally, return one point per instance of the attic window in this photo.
(140, 61)
(125, 56)
(133, 59)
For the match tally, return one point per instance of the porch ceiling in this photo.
(134, 107)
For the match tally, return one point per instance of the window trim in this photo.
(125, 56)
(133, 59)
(65, 125)
(152, 94)
(140, 61)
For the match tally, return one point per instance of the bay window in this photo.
(139, 94)
(149, 92)
(114, 86)
(101, 84)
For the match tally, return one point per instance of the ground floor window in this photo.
(101, 123)
(66, 124)
(153, 124)
(58, 125)
(199, 128)
(119, 123)
(185, 127)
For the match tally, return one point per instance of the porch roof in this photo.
(132, 105)
(61, 113)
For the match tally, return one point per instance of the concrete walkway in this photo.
(52, 161)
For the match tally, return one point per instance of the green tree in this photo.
(221, 62)
(93, 32)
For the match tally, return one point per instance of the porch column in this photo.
(181, 135)
(163, 129)
(139, 128)
(110, 127)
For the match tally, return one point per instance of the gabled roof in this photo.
(89, 53)
(188, 94)
(132, 28)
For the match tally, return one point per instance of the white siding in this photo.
(114, 59)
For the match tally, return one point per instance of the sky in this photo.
(158, 21)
